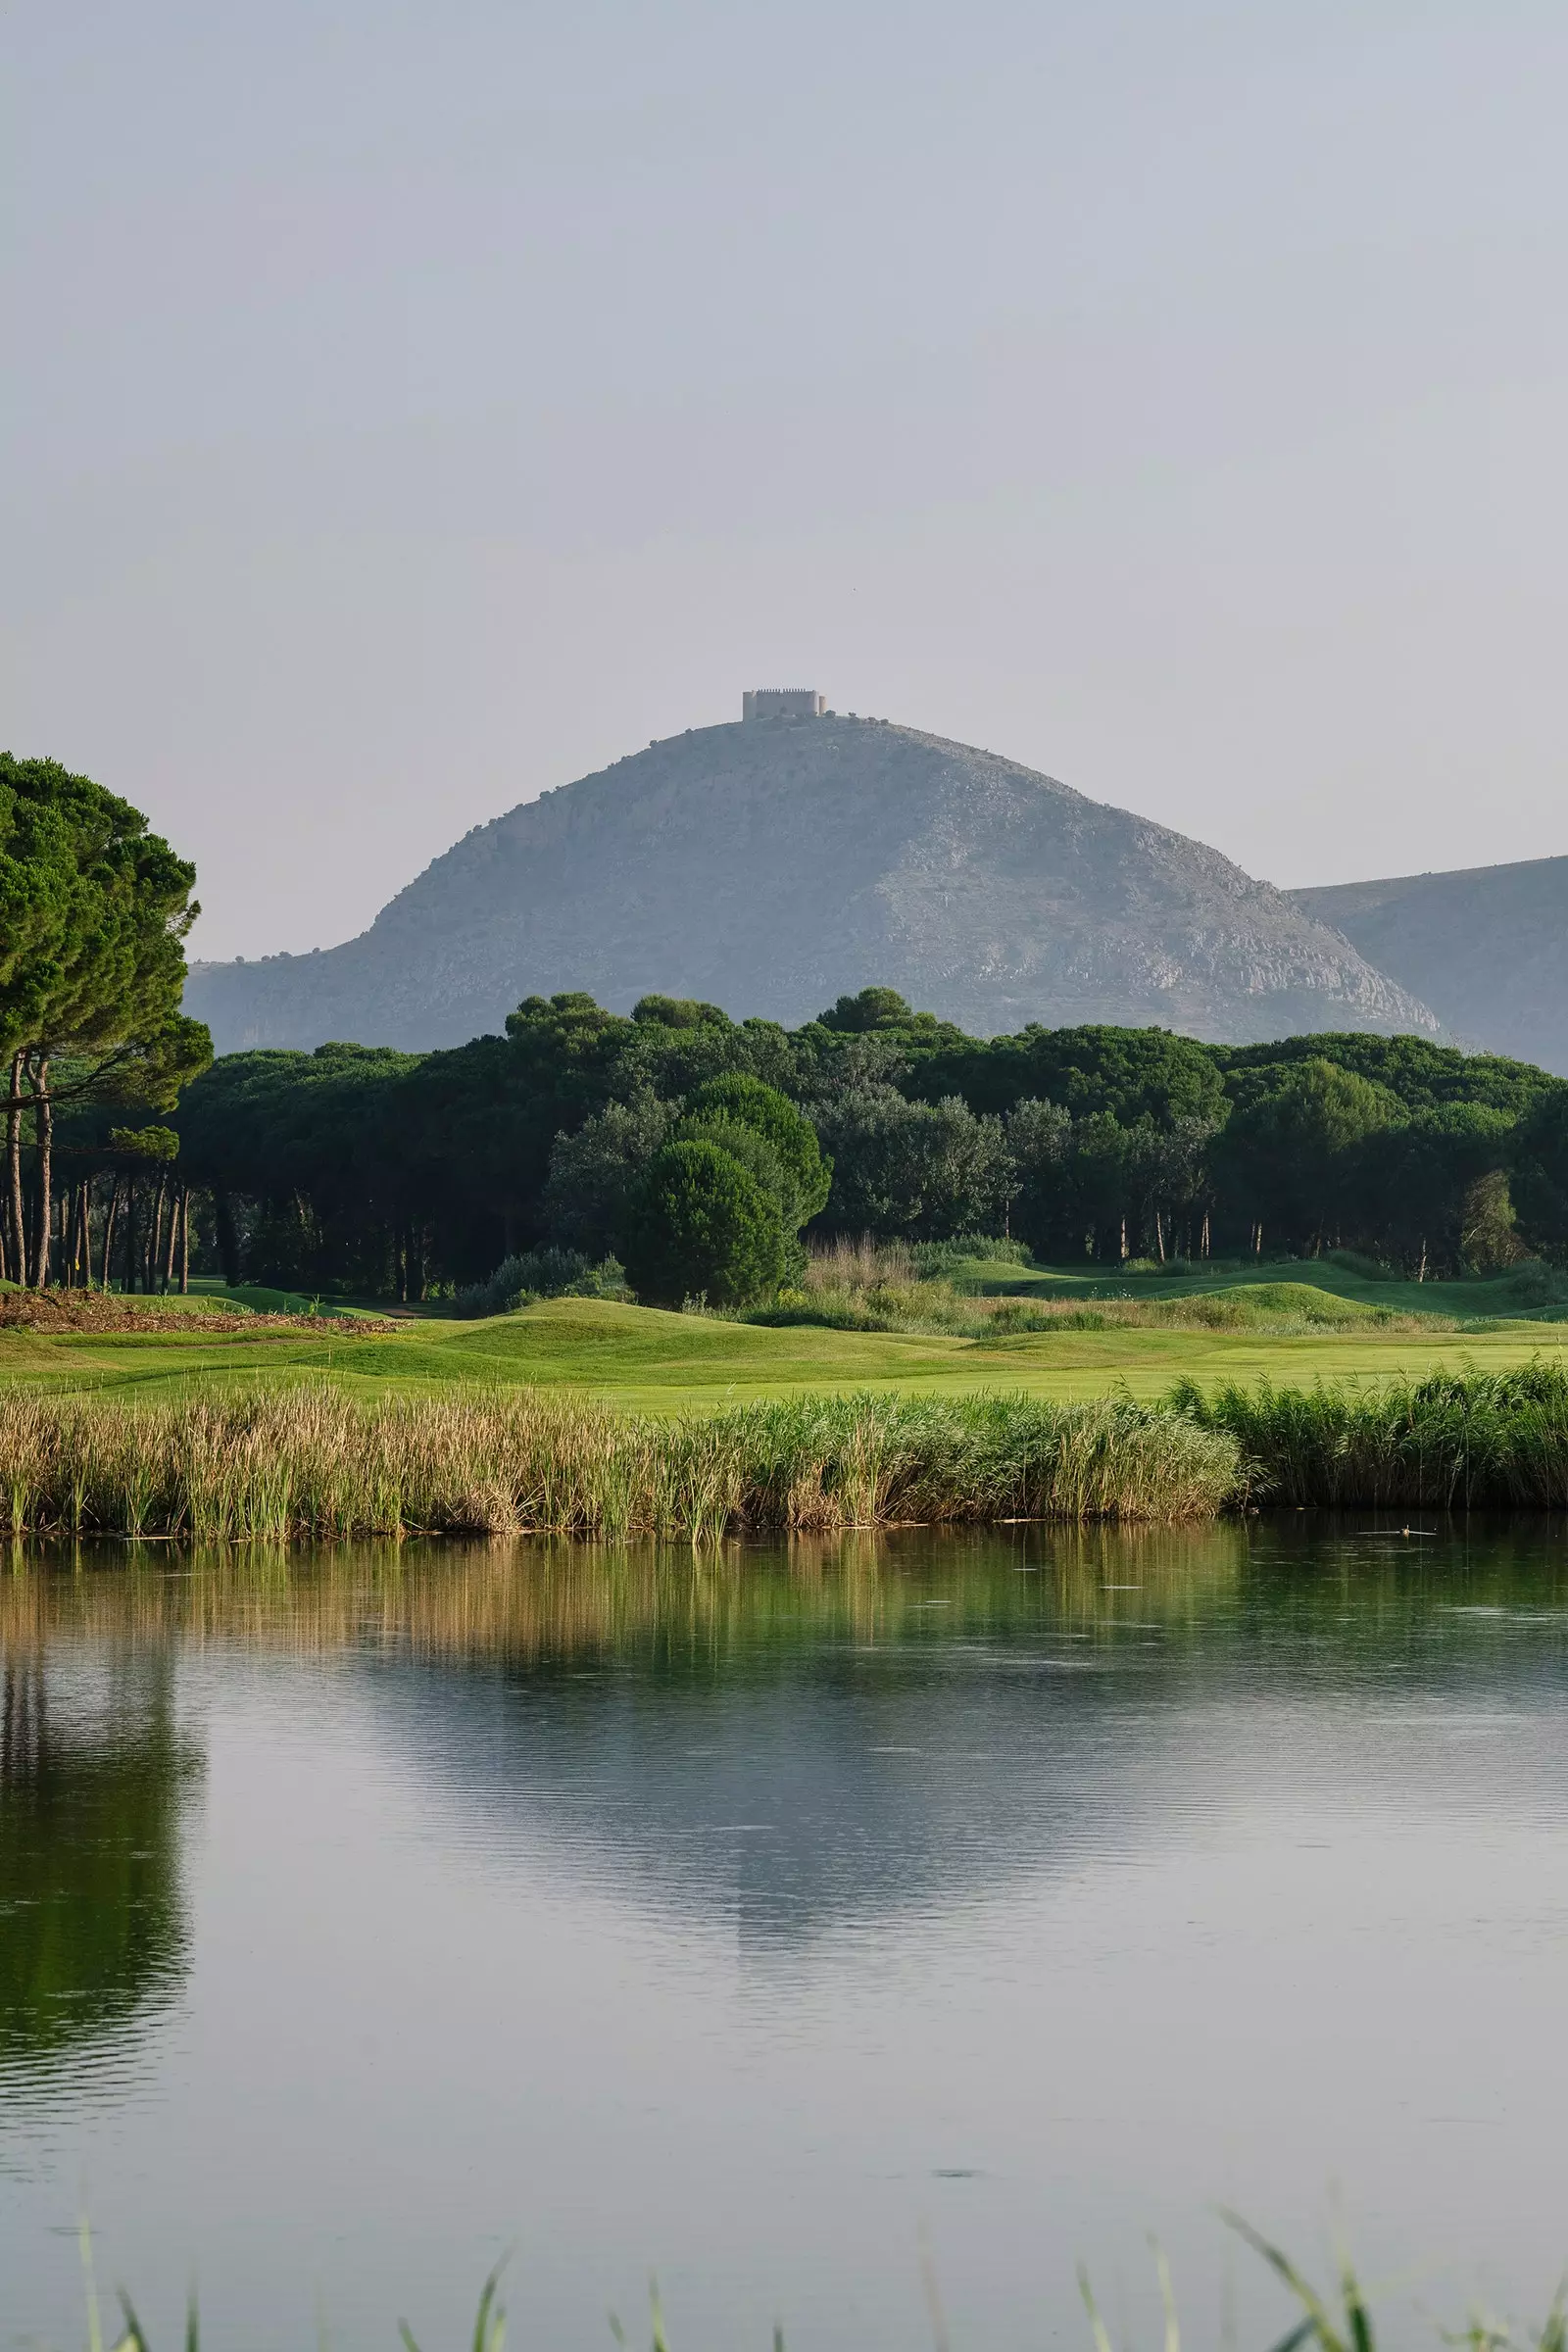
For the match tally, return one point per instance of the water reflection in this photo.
(738, 1913)
(533, 1605)
(93, 1781)
(784, 1736)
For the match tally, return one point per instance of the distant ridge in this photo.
(770, 867)
(1487, 946)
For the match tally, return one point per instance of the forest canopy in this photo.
(367, 1171)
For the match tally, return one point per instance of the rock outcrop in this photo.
(770, 866)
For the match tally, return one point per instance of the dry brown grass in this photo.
(308, 1462)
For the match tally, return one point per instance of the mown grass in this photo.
(651, 1360)
(1529, 1292)
(277, 1465)
(875, 1286)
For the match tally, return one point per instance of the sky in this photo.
(408, 409)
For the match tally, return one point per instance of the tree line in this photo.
(693, 1148)
(391, 1174)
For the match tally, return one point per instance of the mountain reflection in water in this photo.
(725, 1910)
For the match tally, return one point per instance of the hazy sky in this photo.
(409, 408)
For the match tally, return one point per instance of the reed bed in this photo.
(1452, 1440)
(308, 1462)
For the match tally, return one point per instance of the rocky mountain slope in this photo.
(772, 865)
(1488, 948)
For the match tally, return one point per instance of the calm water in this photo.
(746, 1921)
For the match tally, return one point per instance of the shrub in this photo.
(1357, 1262)
(1533, 1283)
(540, 1274)
(944, 1257)
(702, 1226)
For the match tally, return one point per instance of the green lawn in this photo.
(1469, 1300)
(648, 1358)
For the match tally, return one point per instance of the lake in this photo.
(825, 1928)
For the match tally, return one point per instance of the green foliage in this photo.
(1285, 1152)
(745, 1102)
(93, 911)
(871, 1009)
(93, 914)
(594, 1173)
(1421, 1075)
(965, 1249)
(148, 1144)
(1488, 1236)
(1125, 1074)
(367, 1173)
(921, 1170)
(545, 1273)
(702, 1226)
(1465, 1441)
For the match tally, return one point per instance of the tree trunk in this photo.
(130, 1235)
(1159, 1238)
(110, 1214)
(86, 1233)
(19, 1221)
(184, 1240)
(174, 1235)
(45, 1118)
(155, 1236)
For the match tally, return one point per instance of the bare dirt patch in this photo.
(96, 1310)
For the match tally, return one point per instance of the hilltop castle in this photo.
(783, 702)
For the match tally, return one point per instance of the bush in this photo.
(1357, 1262)
(1533, 1283)
(703, 1227)
(540, 1274)
(943, 1258)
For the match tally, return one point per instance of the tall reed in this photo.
(1453, 1441)
(230, 1466)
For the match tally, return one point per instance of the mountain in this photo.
(1487, 947)
(770, 865)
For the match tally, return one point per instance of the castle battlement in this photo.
(783, 702)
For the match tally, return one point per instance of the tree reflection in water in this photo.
(93, 1777)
